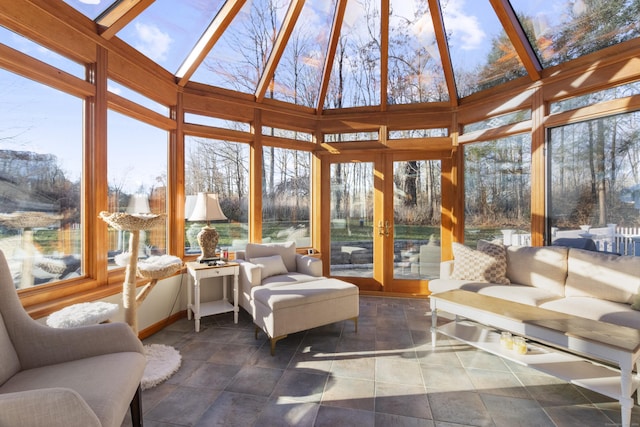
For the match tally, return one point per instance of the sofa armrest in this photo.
(55, 407)
(446, 269)
(309, 265)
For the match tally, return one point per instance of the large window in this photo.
(594, 185)
(497, 179)
(220, 167)
(137, 178)
(40, 181)
(286, 196)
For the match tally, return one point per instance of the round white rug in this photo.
(162, 362)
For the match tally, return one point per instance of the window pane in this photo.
(595, 182)
(416, 228)
(40, 182)
(137, 179)
(286, 196)
(497, 181)
(220, 167)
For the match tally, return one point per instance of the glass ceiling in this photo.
(333, 54)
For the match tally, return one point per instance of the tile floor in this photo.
(385, 375)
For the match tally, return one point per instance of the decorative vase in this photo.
(208, 241)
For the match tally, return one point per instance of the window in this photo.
(286, 196)
(220, 167)
(594, 185)
(498, 190)
(137, 179)
(40, 181)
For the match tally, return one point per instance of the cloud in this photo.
(152, 41)
(463, 27)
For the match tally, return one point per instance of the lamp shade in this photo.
(138, 203)
(207, 208)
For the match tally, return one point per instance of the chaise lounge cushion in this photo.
(286, 250)
(270, 265)
(603, 276)
(596, 309)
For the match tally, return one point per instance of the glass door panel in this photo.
(352, 221)
(416, 213)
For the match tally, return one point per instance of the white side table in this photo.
(197, 272)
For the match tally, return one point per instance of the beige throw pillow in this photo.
(487, 264)
(270, 265)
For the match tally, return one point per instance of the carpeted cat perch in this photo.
(162, 360)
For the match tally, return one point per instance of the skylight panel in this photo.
(166, 30)
(90, 8)
(415, 67)
(297, 78)
(481, 53)
(355, 78)
(561, 31)
(238, 59)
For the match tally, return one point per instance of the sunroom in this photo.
(372, 133)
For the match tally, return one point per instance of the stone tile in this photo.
(497, 382)
(212, 375)
(512, 411)
(439, 379)
(300, 386)
(287, 413)
(233, 409)
(354, 367)
(255, 380)
(398, 371)
(349, 393)
(405, 400)
(581, 415)
(331, 416)
(233, 354)
(184, 406)
(385, 420)
(461, 407)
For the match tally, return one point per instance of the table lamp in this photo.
(207, 208)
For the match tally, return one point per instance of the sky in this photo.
(164, 32)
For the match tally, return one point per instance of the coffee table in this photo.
(596, 355)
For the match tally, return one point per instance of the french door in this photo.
(384, 221)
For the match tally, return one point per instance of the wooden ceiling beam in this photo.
(443, 48)
(208, 39)
(334, 38)
(518, 38)
(118, 15)
(282, 38)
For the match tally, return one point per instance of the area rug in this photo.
(162, 362)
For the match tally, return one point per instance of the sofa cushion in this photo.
(287, 279)
(596, 309)
(543, 267)
(487, 264)
(303, 293)
(600, 275)
(286, 250)
(270, 265)
(523, 294)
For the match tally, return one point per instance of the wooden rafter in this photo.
(384, 53)
(208, 39)
(288, 24)
(118, 15)
(443, 48)
(331, 53)
(518, 38)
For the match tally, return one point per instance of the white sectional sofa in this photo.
(583, 283)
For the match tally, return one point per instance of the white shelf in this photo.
(215, 307)
(568, 367)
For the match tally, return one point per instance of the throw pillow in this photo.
(270, 265)
(487, 264)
